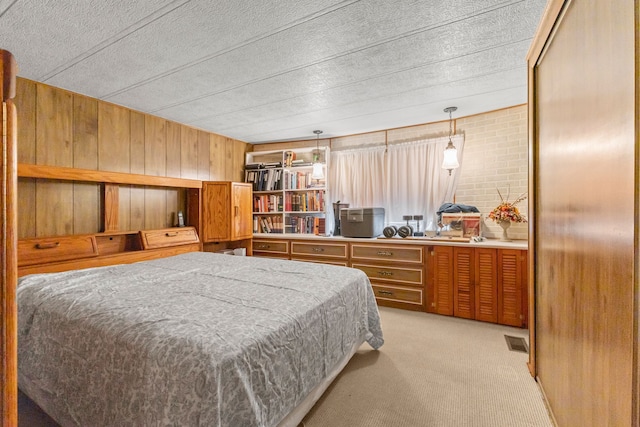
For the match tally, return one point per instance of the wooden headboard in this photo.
(111, 246)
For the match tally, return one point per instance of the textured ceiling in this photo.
(263, 71)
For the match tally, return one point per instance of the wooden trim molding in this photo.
(8, 243)
(87, 175)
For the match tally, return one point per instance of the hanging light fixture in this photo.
(450, 161)
(317, 172)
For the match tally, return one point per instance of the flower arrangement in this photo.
(507, 211)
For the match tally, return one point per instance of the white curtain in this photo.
(358, 177)
(406, 180)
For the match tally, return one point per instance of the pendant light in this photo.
(450, 161)
(317, 172)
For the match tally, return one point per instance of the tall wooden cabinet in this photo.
(226, 214)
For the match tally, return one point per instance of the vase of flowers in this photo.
(506, 213)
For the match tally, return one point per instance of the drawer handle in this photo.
(174, 234)
(47, 245)
(385, 293)
(263, 246)
(318, 249)
(385, 253)
(385, 273)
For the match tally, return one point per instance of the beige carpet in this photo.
(434, 371)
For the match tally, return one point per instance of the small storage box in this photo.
(361, 222)
(461, 224)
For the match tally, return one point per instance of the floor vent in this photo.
(517, 344)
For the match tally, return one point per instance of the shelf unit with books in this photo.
(286, 199)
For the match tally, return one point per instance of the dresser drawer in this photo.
(153, 239)
(271, 246)
(322, 261)
(403, 275)
(53, 249)
(397, 294)
(393, 253)
(329, 250)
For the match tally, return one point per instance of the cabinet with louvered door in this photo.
(475, 284)
(486, 285)
(442, 265)
(511, 287)
(463, 283)
(396, 272)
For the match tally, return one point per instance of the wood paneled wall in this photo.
(584, 137)
(60, 128)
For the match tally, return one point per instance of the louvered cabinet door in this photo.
(443, 279)
(463, 283)
(486, 289)
(510, 284)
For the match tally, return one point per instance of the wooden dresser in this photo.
(484, 281)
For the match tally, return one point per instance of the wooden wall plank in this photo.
(174, 141)
(228, 160)
(86, 196)
(54, 146)
(113, 138)
(114, 151)
(135, 194)
(237, 167)
(26, 105)
(204, 150)
(217, 159)
(189, 153)
(155, 150)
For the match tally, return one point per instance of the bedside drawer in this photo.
(331, 250)
(52, 249)
(271, 246)
(153, 239)
(405, 254)
(404, 275)
(397, 294)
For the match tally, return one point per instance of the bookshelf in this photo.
(286, 199)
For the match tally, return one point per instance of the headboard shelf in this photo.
(110, 185)
(61, 253)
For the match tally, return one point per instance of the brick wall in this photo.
(495, 157)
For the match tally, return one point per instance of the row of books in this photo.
(267, 203)
(267, 224)
(294, 224)
(264, 179)
(301, 180)
(263, 165)
(305, 225)
(305, 202)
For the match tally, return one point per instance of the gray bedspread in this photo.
(198, 339)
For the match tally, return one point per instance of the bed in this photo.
(195, 339)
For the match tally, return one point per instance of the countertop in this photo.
(487, 243)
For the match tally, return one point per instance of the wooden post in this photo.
(8, 241)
